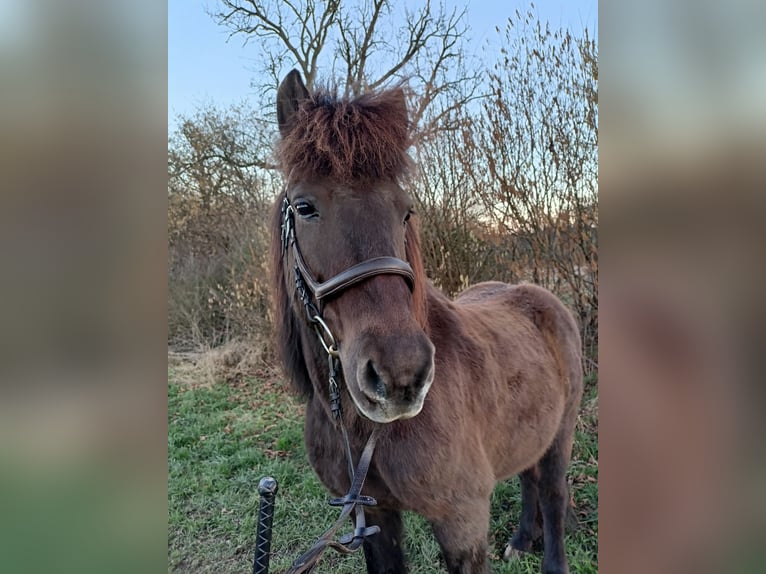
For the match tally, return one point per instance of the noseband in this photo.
(313, 293)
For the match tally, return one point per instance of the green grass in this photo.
(223, 438)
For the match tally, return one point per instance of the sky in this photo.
(206, 67)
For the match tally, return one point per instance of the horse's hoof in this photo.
(511, 553)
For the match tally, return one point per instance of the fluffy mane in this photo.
(364, 138)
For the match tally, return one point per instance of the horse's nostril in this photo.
(422, 377)
(375, 381)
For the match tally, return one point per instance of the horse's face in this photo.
(387, 359)
(386, 356)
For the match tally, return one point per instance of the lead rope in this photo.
(337, 413)
(354, 501)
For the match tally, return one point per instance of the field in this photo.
(223, 436)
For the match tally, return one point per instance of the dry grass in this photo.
(230, 362)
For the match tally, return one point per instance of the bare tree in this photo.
(219, 190)
(538, 133)
(506, 187)
(364, 45)
(456, 239)
(216, 153)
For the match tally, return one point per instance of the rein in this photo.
(312, 294)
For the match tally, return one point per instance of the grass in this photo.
(223, 437)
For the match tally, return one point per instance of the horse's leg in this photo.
(529, 528)
(554, 500)
(462, 537)
(383, 551)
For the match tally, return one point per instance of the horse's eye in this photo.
(409, 214)
(305, 209)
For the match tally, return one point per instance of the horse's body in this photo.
(470, 391)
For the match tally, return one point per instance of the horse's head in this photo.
(344, 162)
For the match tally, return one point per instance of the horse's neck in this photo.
(440, 308)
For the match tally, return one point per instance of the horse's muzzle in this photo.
(393, 377)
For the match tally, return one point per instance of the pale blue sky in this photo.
(203, 67)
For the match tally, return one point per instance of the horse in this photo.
(463, 393)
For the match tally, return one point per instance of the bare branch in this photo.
(364, 49)
(366, 40)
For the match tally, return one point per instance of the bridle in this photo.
(313, 294)
(307, 286)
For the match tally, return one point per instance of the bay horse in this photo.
(463, 393)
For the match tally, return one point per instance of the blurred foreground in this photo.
(682, 182)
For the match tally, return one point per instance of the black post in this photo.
(267, 488)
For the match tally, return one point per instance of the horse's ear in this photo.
(401, 100)
(291, 92)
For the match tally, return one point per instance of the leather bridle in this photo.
(346, 278)
(312, 294)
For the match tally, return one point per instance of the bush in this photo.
(218, 272)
